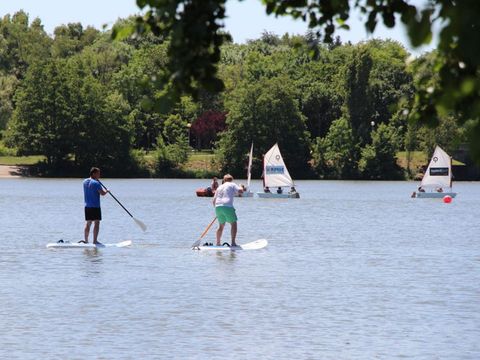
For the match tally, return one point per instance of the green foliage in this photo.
(195, 31)
(41, 122)
(169, 157)
(62, 114)
(133, 80)
(264, 112)
(359, 108)
(21, 43)
(8, 86)
(70, 39)
(378, 160)
(447, 134)
(336, 155)
(7, 151)
(82, 99)
(175, 129)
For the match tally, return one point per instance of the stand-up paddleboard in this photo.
(254, 245)
(69, 245)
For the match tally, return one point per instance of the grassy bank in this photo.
(202, 164)
(21, 160)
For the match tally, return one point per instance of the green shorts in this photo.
(225, 214)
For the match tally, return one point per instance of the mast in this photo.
(249, 171)
(451, 175)
(263, 175)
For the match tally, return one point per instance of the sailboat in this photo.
(276, 176)
(437, 178)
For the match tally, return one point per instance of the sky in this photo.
(246, 19)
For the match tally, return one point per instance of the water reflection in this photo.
(226, 255)
(94, 261)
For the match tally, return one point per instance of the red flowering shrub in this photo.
(206, 127)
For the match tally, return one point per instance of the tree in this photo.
(169, 157)
(8, 86)
(378, 160)
(336, 155)
(66, 114)
(133, 82)
(264, 112)
(447, 134)
(196, 32)
(206, 128)
(174, 129)
(196, 38)
(21, 44)
(321, 105)
(42, 122)
(358, 105)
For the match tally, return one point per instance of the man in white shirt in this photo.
(224, 210)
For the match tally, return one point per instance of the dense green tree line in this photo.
(80, 98)
(197, 39)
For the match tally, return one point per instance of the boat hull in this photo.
(246, 194)
(434, 195)
(264, 195)
(204, 193)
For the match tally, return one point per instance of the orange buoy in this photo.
(447, 199)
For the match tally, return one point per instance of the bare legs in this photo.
(219, 233)
(96, 229)
(233, 233)
(86, 232)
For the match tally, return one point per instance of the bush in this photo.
(170, 157)
(6, 151)
(378, 159)
(335, 156)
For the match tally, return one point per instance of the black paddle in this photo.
(138, 222)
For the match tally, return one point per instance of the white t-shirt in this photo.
(225, 193)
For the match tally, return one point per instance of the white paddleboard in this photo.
(254, 245)
(70, 245)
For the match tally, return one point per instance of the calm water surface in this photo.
(353, 270)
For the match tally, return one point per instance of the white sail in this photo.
(275, 172)
(249, 171)
(439, 171)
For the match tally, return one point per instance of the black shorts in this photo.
(93, 214)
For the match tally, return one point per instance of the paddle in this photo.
(138, 222)
(196, 243)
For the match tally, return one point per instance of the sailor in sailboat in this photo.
(437, 177)
(224, 210)
(275, 174)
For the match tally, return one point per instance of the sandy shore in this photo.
(7, 171)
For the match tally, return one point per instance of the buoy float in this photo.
(447, 199)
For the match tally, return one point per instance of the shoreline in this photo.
(23, 171)
(13, 171)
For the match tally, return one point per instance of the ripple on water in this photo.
(353, 270)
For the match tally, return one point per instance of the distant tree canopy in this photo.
(196, 32)
(80, 98)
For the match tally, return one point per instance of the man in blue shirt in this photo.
(91, 192)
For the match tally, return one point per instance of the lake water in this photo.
(353, 270)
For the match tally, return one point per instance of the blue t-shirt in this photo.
(91, 193)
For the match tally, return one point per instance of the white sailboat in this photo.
(438, 177)
(276, 176)
(248, 192)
